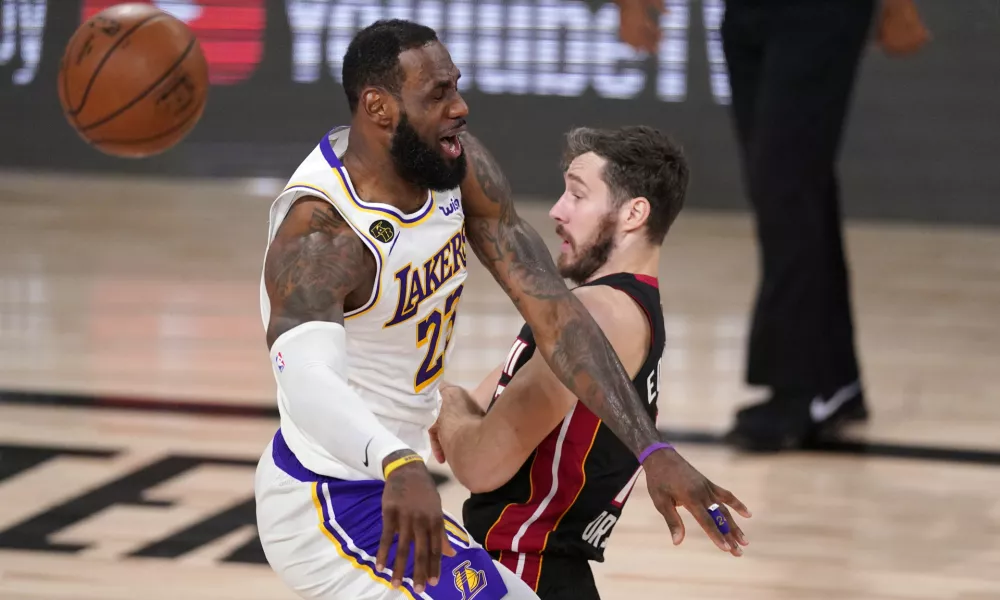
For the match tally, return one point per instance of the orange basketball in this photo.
(133, 81)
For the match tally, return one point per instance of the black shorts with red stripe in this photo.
(555, 577)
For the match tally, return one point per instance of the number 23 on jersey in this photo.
(429, 336)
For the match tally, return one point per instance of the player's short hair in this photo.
(372, 58)
(641, 161)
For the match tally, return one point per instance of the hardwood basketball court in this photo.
(137, 397)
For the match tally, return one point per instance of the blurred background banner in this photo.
(923, 142)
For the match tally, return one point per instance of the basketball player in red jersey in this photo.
(548, 479)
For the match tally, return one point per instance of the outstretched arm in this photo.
(566, 334)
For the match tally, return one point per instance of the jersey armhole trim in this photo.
(377, 287)
(649, 322)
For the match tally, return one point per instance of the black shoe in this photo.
(845, 405)
(854, 410)
(789, 421)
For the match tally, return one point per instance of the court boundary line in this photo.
(853, 447)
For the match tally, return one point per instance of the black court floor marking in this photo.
(846, 447)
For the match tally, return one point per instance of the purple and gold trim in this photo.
(286, 460)
(456, 533)
(347, 549)
(385, 210)
(379, 259)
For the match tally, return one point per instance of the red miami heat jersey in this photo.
(567, 496)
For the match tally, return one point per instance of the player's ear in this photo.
(634, 213)
(379, 106)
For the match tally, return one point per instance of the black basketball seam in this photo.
(194, 113)
(145, 92)
(104, 59)
(64, 86)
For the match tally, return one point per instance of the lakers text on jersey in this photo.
(400, 340)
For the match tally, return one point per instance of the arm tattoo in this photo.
(572, 343)
(507, 246)
(310, 271)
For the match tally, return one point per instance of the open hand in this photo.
(673, 482)
(411, 509)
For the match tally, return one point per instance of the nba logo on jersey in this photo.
(280, 361)
(469, 581)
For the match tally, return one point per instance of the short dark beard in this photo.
(594, 255)
(422, 164)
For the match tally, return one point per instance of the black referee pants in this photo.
(792, 65)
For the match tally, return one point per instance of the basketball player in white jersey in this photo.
(361, 283)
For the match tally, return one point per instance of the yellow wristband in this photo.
(399, 462)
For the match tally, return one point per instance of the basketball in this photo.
(133, 81)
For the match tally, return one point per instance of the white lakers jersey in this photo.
(398, 342)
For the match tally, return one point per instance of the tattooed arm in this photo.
(576, 350)
(315, 267)
(567, 335)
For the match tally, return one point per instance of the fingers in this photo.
(434, 534)
(403, 552)
(429, 543)
(437, 543)
(735, 536)
(446, 548)
(438, 453)
(675, 482)
(731, 541)
(411, 512)
(421, 556)
(724, 523)
(704, 518)
(711, 512)
(727, 497)
(436, 448)
(674, 522)
(389, 520)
